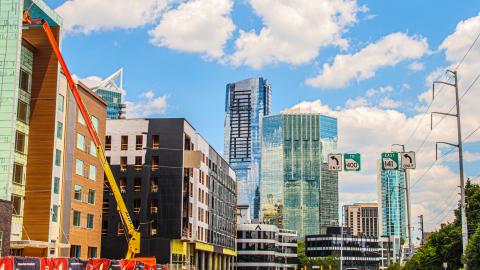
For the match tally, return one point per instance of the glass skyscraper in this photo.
(111, 90)
(247, 102)
(391, 193)
(297, 190)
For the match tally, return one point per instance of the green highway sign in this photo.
(351, 162)
(390, 161)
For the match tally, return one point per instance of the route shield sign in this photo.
(335, 162)
(408, 160)
(389, 161)
(351, 162)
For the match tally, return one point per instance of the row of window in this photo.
(77, 218)
(80, 170)
(138, 163)
(81, 145)
(138, 142)
(137, 184)
(76, 251)
(78, 194)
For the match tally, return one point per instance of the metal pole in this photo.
(341, 243)
(460, 161)
(421, 228)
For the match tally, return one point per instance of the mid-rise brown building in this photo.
(362, 218)
(83, 185)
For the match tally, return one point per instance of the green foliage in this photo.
(445, 245)
(394, 266)
(472, 255)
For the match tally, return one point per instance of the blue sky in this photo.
(192, 78)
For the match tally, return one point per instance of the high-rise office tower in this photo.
(297, 190)
(247, 102)
(362, 218)
(111, 90)
(392, 202)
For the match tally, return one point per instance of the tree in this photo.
(326, 262)
(472, 255)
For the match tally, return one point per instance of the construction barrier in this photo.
(27, 263)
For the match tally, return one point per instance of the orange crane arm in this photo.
(134, 235)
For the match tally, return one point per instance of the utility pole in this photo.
(421, 228)
(407, 197)
(460, 155)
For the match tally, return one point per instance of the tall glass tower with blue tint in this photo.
(111, 90)
(391, 193)
(247, 102)
(297, 190)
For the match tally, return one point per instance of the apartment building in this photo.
(32, 110)
(180, 193)
(362, 218)
(81, 213)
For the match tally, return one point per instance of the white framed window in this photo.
(95, 123)
(80, 142)
(80, 118)
(93, 149)
(92, 173)
(79, 167)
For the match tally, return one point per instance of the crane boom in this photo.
(134, 235)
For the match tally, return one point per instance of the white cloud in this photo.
(358, 102)
(387, 102)
(202, 26)
(389, 51)
(294, 31)
(86, 16)
(416, 66)
(147, 105)
(89, 81)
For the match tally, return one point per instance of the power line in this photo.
(468, 51)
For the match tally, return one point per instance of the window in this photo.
(80, 142)
(105, 205)
(104, 227)
(76, 218)
(108, 142)
(93, 149)
(92, 172)
(155, 161)
(95, 123)
(18, 173)
(155, 141)
(91, 196)
(154, 184)
(59, 130)
(152, 228)
(54, 213)
(138, 163)
(153, 206)
(123, 184)
(79, 167)
(20, 142)
(89, 221)
(137, 186)
(56, 185)
(60, 101)
(120, 230)
(136, 206)
(123, 164)
(124, 143)
(80, 118)
(22, 112)
(75, 251)
(58, 157)
(139, 142)
(92, 252)
(24, 82)
(77, 195)
(17, 204)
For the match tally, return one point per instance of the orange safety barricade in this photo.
(6, 263)
(53, 263)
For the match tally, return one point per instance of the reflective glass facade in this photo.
(297, 190)
(247, 102)
(392, 192)
(114, 99)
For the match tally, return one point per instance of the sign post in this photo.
(351, 162)
(408, 160)
(335, 162)
(389, 161)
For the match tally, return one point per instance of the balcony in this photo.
(137, 188)
(136, 210)
(153, 188)
(153, 209)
